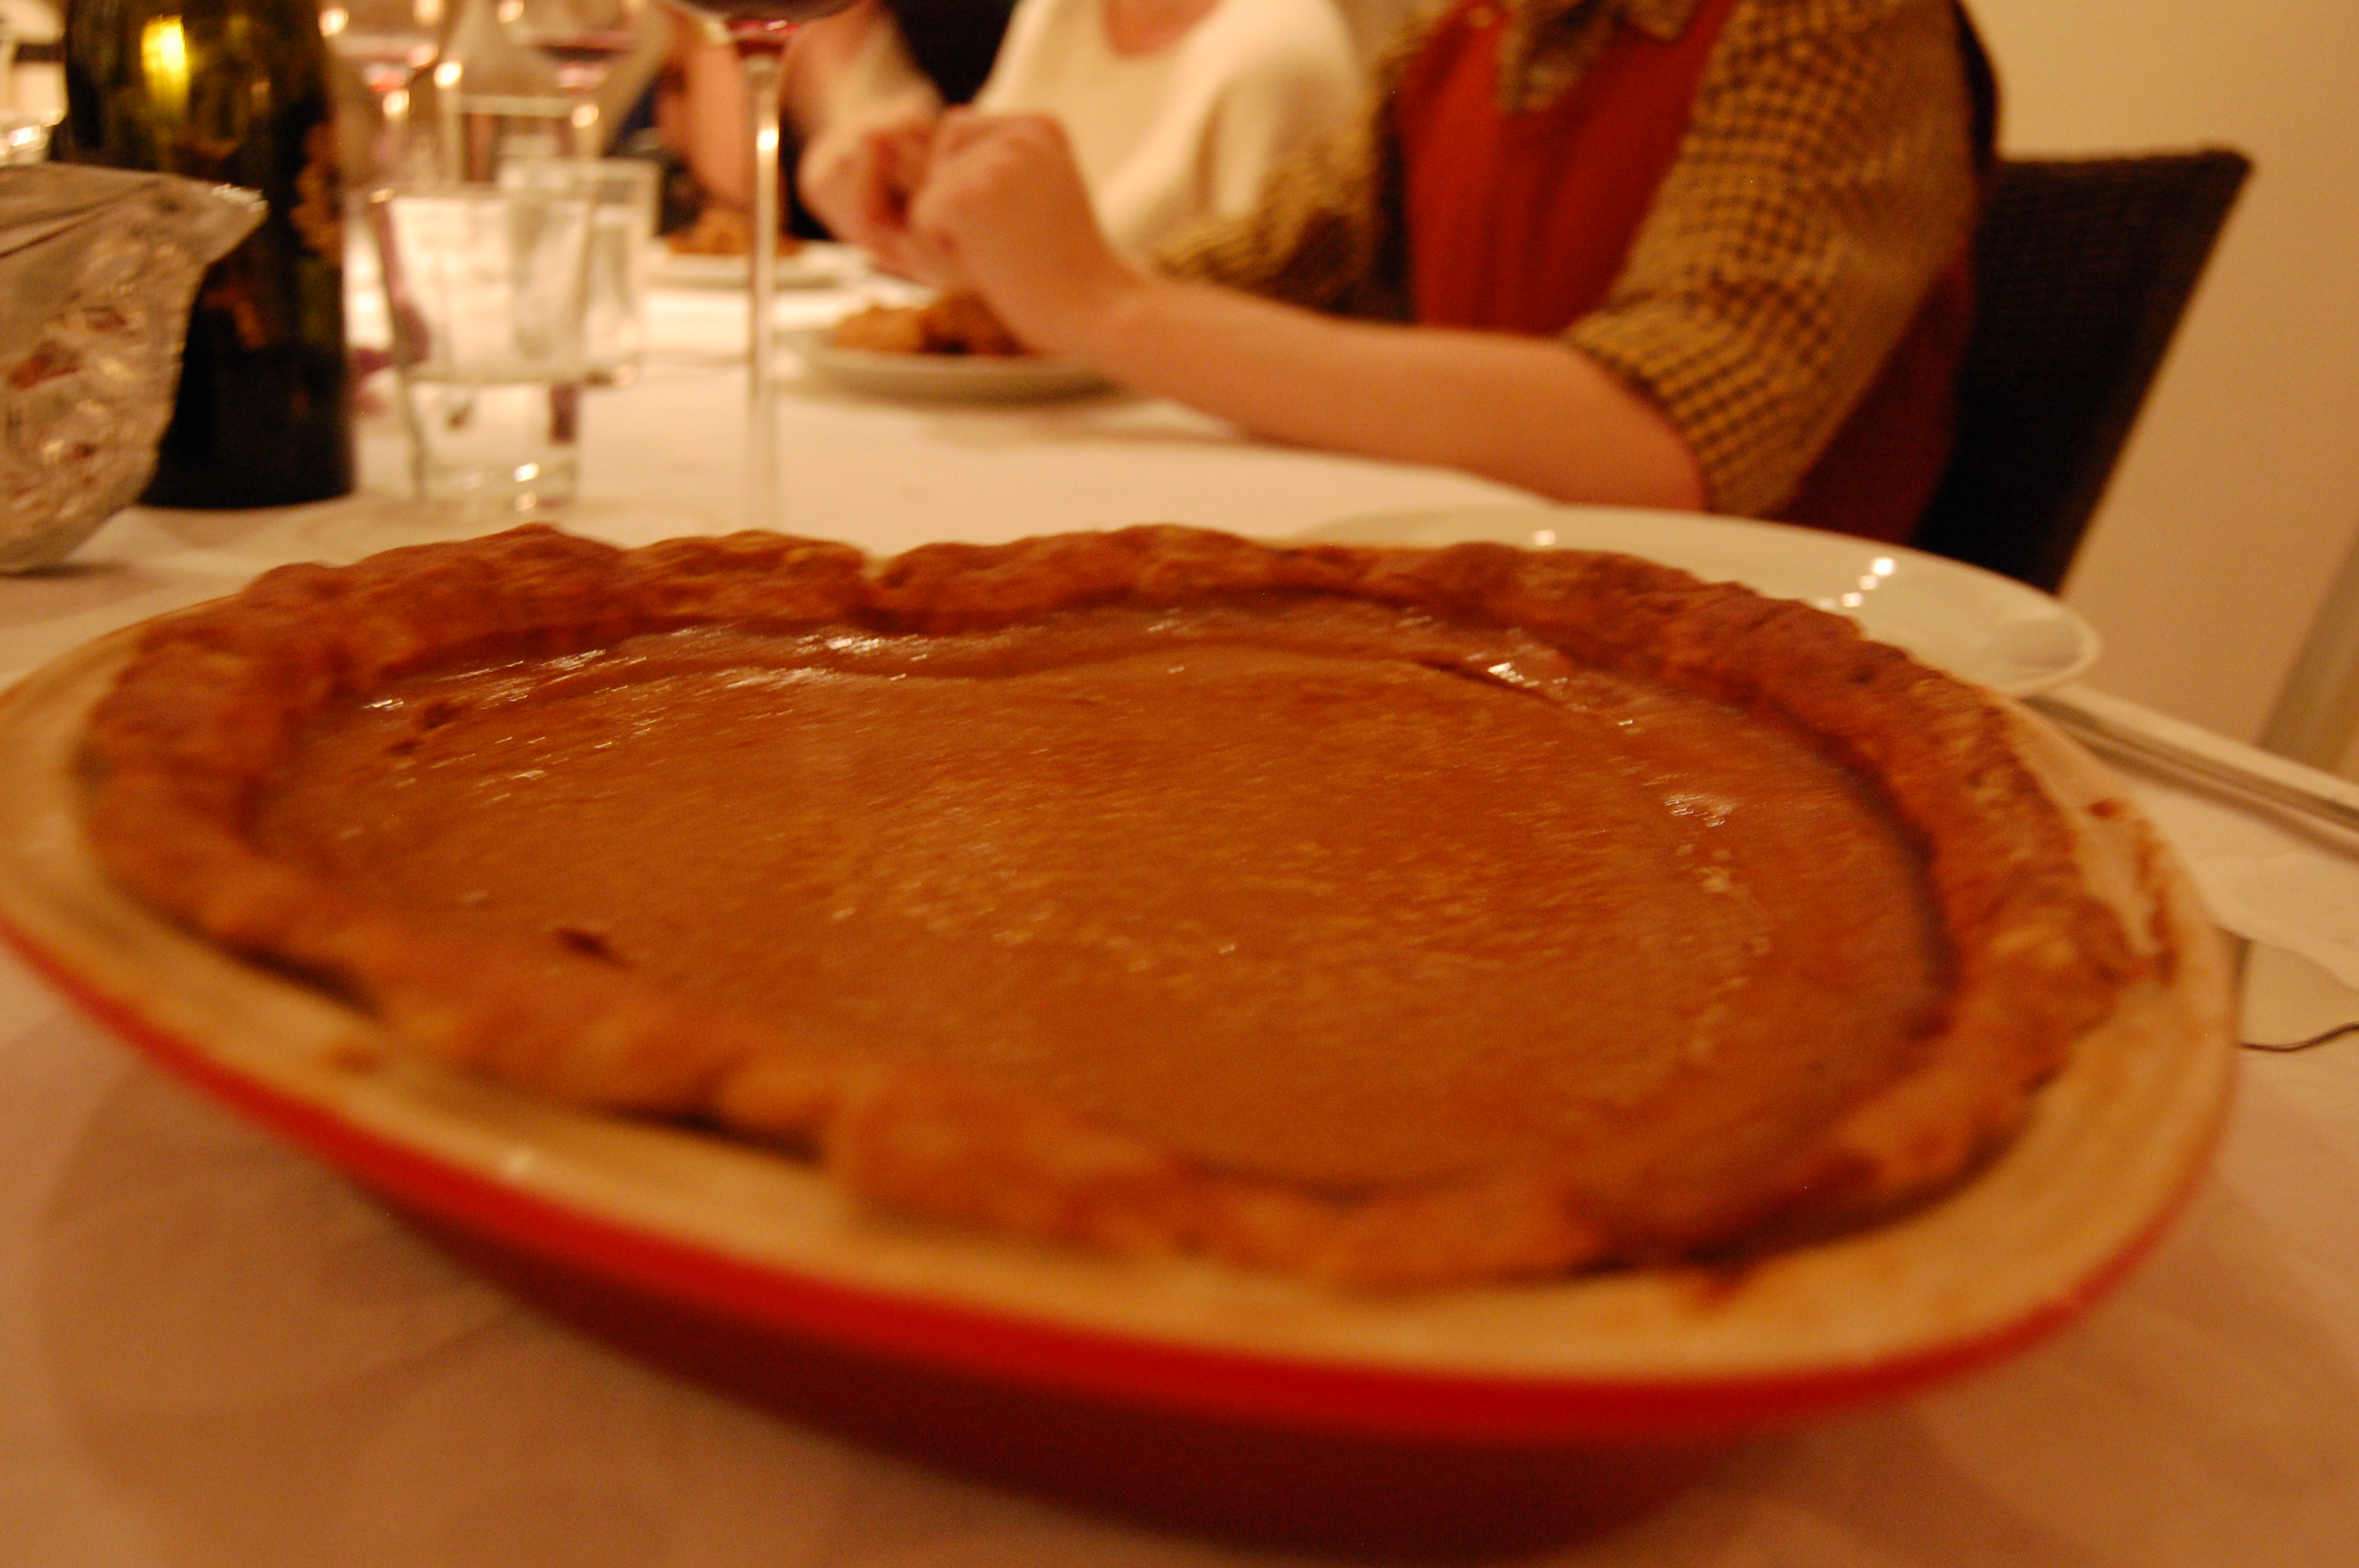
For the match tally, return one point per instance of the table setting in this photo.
(256, 1320)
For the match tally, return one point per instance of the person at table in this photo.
(1176, 111)
(1690, 254)
(875, 60)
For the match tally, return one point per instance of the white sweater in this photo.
(1189, 132)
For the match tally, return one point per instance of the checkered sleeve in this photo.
(1326, 231)
(1824, 183)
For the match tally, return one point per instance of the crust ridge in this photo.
(181, 748)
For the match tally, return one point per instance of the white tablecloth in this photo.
(213, 1354)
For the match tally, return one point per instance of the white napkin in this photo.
(2264, 879)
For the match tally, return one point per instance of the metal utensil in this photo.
(2191, 766)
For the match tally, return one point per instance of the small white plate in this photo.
(945, 378)
(1976, 624)
(818, 264)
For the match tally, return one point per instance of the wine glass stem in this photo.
(761, 70)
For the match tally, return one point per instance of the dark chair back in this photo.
(2083, 267)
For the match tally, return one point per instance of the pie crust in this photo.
(211, 717)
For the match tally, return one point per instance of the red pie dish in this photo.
(1442, 1398)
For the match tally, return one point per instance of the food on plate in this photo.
(1395, 917)
(947, 324)
(723, 232)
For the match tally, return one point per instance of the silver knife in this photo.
(2193, 767)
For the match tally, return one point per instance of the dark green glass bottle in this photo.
(235, 91)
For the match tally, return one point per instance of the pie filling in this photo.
(1331, 894)
(1393, 917)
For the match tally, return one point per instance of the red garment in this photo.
(1521, 223)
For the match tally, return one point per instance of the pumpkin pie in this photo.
(1395, 917)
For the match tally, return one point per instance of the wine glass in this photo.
(760, 30)
(388, 42)
(582, 39)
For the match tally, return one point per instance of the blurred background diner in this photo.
(1706, 255)
(2196, 623)
(1178, 109)
(878, 59)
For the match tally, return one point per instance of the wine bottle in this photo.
(236, 92)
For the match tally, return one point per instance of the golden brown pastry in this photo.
(948, 324)
(1395, 917)
(723, 232)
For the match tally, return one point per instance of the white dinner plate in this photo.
(818, 264)
(1988, 628)
(945, 378)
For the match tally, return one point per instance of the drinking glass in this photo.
(487, 290)
(622, 195)
(760, 31)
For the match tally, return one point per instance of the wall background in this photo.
(2238, 495)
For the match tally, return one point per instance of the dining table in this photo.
(217, 1352)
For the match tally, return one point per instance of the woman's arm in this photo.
(1529, 411)
(1003, 212)
(865, 113)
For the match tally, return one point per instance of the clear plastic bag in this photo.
(98, 268)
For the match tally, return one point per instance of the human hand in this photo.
(859, 181)
(1003, 212)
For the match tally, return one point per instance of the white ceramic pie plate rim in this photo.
(2112, 1149)
(1976, 624)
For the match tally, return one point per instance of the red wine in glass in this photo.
(582, 56)
(761, 24)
